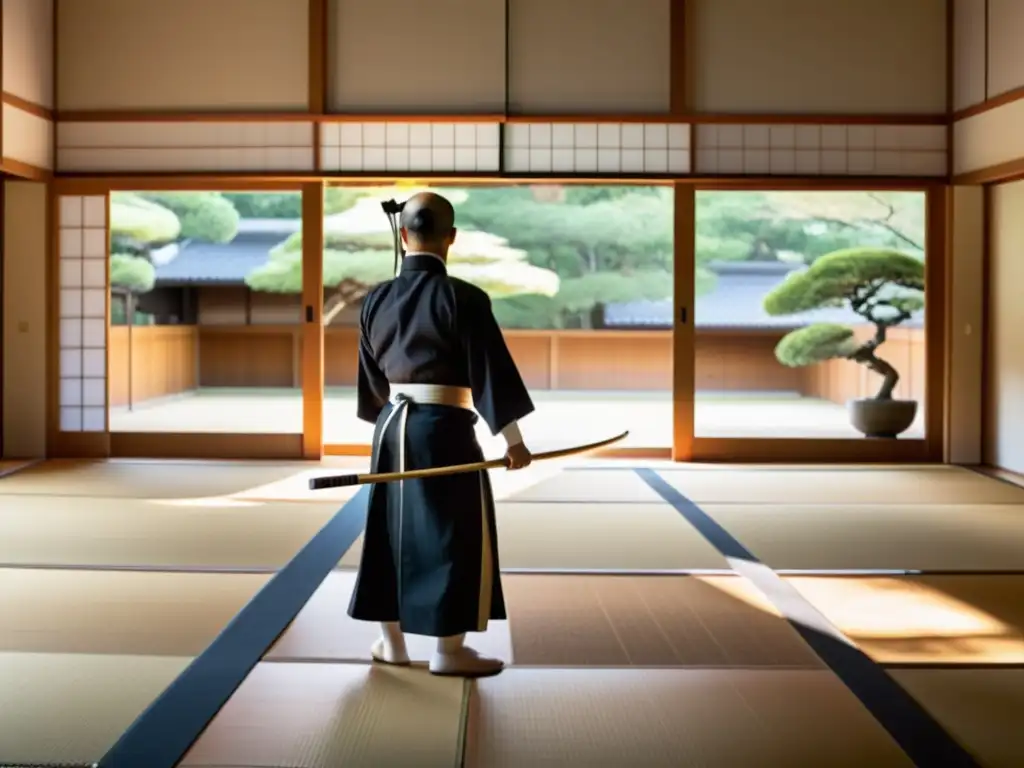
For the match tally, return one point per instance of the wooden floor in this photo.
(664, 615)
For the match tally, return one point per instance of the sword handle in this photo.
(333, 481)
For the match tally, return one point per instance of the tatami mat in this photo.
(898, 537)
(219, 480)
(982, 709)
(613, 537)
(929, 485)
(126, 613)
(331, 715)
(671, 718)
(637, 537)
(631, 537)
(506, 485)
(617, 486)
(57, 708)
(148, 479)
(323, 631)
(295, 487)
(691, 621)
(926, 619)
(153, 532)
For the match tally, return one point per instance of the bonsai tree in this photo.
(885, 287)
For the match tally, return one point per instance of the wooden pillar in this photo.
(312, 333)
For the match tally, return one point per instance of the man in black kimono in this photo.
(430, 353)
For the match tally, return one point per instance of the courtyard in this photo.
(561, 418)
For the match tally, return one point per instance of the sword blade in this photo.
(341, 481)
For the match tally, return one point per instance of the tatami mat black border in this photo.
(951, 666)
(924, 740)
(722, 466)
(165, 731)
(727, 503)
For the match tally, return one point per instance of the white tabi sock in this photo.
(449, 645)
(391, 646)
(453, 657)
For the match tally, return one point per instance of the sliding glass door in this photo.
(713, 322)
(811, 333)
(581, 281)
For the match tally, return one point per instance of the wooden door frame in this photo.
(684, 346)
(613, 452)
(691, 447)
(190, 445)
(3, 303)
(686, 446)
(313, 320)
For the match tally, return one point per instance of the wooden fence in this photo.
(151, 362)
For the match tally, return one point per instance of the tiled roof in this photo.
(227, 263)
(735, 302)
(217, 264)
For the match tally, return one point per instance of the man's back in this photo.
(411, 325)
(425, 327)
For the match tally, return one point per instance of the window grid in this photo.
(176, 146)
(641, 148)
(805, 150)
(84, 266)
(397, 147)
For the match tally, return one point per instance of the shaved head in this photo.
(428, 223)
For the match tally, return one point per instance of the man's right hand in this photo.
(518, 456)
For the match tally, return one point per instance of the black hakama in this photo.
(430, 550)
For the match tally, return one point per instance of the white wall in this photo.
(1004, 423)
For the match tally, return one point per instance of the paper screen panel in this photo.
(967, 324)
(83, 270)
(397, 147)
(1004, 400)
(618, 148)
(603, 57)
(453, 61)
(196, 146)
(198, 55)
(28, 50)
(26, 305)
(1005, 53)
(829, 150)
(809, 56)
(969, 53)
